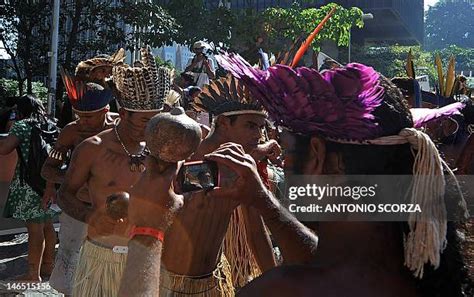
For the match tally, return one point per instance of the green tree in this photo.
(391, 60)
(24, 32)
(86, 29)
(197, 22)
(289, 23)
(11, 88)
(464, 57)
(450, 23)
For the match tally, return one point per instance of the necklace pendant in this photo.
(136, 163)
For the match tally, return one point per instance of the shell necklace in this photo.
(136, 160)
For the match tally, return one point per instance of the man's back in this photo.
(364, 259)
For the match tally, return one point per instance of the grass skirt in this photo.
(216, 284)
(244, 267)
(99, 271)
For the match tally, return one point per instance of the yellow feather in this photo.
(450, 77)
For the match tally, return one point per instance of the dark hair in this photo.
(30, 107)
(6, 112)
(193, 90)
(405, 84)
(4, 118)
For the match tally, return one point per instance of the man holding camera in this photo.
(201, 67)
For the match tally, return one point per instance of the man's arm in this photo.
(297, 242)
(52, 171)
(8, 144)
(258, 238)
(191, 64)
(209, 65)
(270, 149)
(77, 175)
(153, 204)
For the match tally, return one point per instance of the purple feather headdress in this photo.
(337, 104)
(422, 116)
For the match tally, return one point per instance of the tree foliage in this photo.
(290, 23)
(10, 88)
(86, 28)
(197, 22)
(390, 61)
(24, 32)
(450, 23)
(464, 56)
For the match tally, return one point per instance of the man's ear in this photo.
(123, 113)
(317, 156)
(223, 122)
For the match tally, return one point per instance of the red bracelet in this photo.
(148, 231)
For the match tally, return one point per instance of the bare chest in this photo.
(111, 173)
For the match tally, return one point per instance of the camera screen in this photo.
(198, 176)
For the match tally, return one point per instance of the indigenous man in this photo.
(111, 162)
(171, 138)
(192, 257)
(347, 121)
(97, 70)
(90, 103)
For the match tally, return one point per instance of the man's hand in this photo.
(207, 64)
(48, 196)
(248, 187)
(270, 149)
(104, 225)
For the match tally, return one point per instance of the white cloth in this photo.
(72, 234)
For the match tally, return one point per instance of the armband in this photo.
(56, 155)
(147, 231)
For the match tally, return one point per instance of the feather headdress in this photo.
(336, 104)
(227, 96)
(84, 68)
(422, 116)
(142, 88)
(85, 97)
(340, 105)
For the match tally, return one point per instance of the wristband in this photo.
(147, 231)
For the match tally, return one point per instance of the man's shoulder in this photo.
(69, 134)
(95, 143)
(72, 127)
